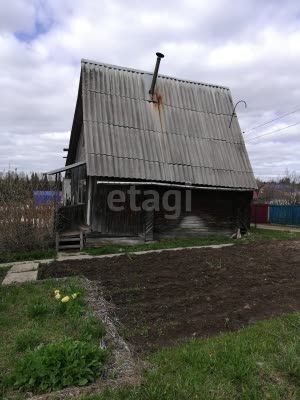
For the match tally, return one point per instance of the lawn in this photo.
(255, 235)
(33, 322)
(259, 362)
(3, 272)
(27, 255)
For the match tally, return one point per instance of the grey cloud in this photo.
(217, 41)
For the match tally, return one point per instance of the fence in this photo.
(25, 226)
(275, 214)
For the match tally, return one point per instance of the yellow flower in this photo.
(65, 299)
(57, 296)
(56, 291)
(74, 295)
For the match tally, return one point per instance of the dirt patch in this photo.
(163, 298)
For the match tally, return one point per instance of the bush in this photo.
(58, 365)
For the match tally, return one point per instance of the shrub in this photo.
(27, 340)
(58, 365)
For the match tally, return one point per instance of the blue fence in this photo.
(286, 215)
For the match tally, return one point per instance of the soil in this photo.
(163, 298)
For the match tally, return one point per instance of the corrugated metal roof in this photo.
(184, 137)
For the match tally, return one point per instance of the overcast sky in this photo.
(251, 46)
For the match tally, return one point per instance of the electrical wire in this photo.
(272, 120)
(269, 133)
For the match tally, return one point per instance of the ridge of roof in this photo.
(134, 70)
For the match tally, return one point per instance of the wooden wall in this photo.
(212, 212)
(111, 223)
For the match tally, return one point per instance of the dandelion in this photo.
(57, 296)
(74, 295)
(65, 299)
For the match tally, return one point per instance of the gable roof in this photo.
(181, 137)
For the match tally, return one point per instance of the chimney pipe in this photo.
(159, 57)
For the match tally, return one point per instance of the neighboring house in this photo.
(46, 196)
(176, 138)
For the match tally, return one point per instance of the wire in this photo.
(276, 130)
(275, 119)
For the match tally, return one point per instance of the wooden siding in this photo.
(114, 223)
(211, 212)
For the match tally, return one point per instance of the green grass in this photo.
(3, 272)
(30, 316)
(27, 256)
(259, 362)
(270, 234)
(256, 235)
(163, 244)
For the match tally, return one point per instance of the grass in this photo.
(3, 272)
(27, 256)
(270, 234)
(163, 244)
(256, 235)
(30, 316)
(259, 362)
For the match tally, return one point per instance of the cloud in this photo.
(250, 46)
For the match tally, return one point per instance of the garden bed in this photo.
(164, 298)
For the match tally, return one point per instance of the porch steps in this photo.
(69, 241)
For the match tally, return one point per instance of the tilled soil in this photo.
(161, 298)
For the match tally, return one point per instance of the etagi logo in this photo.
(170, 201)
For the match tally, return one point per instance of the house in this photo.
(136, 131)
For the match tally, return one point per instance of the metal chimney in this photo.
(159, 57)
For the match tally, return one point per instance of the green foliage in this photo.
(255, 235)
(27, 255)
(37, 309)
(30, 316)
(27, 340)
(15, 186)
(163, 244)
(92, 328)
(3, 272)
(58, 365)
(259, 362)
(271, 234)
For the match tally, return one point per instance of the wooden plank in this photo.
(81, 240)
(69, 239)
(69, 246)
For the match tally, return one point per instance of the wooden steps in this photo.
(70, 241)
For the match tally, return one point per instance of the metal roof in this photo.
(181, 137)
(66, 168)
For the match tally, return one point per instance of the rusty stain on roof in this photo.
(179, 135)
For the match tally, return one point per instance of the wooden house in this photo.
(138, 129)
